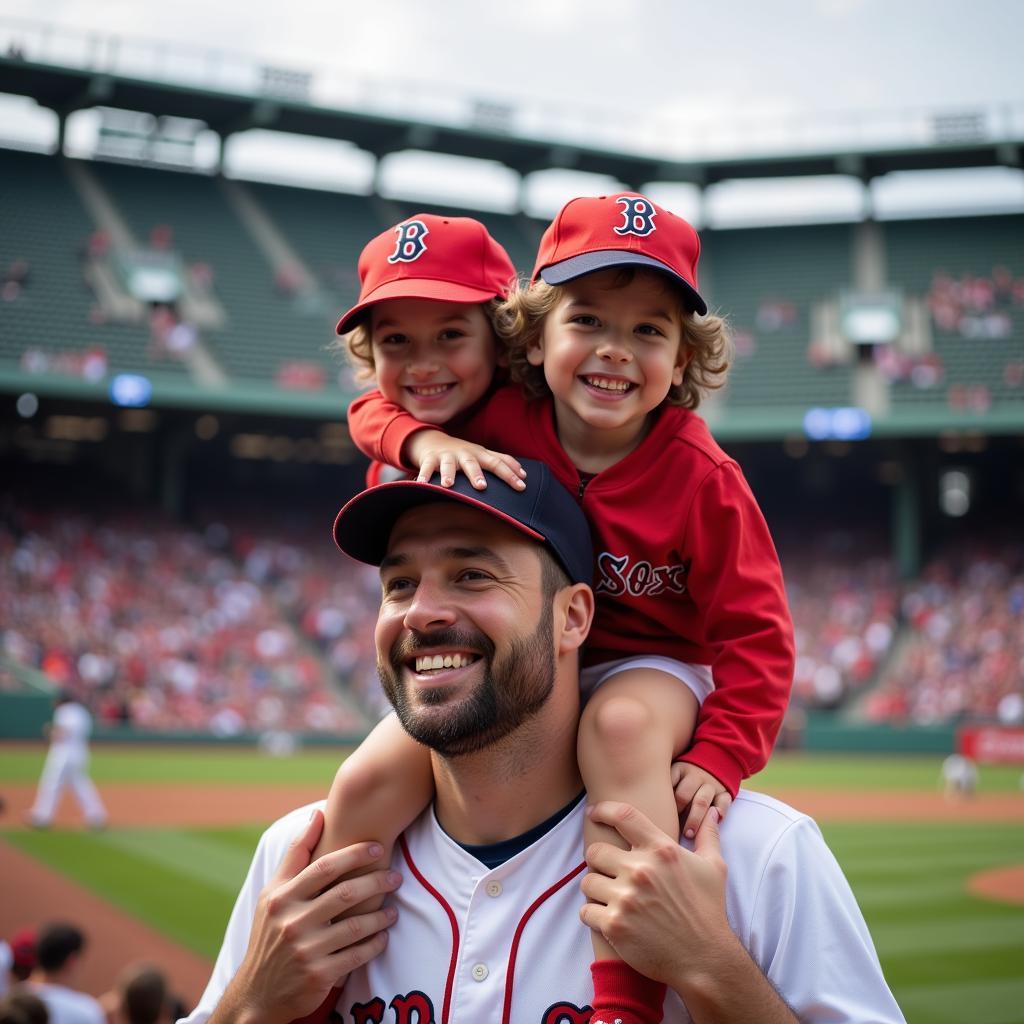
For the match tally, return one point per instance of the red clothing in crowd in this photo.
(685, 565)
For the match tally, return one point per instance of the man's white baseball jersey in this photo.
(506, 945)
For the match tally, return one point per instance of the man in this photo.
(489, 884)
(59, 950)
(67, 764)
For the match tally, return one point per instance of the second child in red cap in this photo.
(689, 665)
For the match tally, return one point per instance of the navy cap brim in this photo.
(605, 259)
(362, 529)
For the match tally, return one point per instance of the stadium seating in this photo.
(979, 343)
(767, 282)
(49, 324)
(327, 229)
(264, 329)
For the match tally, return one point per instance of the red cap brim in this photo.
(414, 288)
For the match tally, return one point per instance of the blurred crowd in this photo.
(165, 627)
(845, 616)
(41, 974)
(963, 651)
(232, 629)
(976, 306)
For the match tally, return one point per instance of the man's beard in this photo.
(513, 689)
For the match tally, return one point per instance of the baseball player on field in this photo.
(488, 886)
(67, 764)
(691, 655)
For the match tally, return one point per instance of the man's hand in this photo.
(663, 910)
(661, 907)
(297, 952)
(433, 451)
(697, 791)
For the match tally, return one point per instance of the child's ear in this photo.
(535, 353)
(682, 361)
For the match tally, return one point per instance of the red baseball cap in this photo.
(447, 259)
(23, 946)
(621, 230)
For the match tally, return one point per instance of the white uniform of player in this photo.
(506, 945)
(67, 764)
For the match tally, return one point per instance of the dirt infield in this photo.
(40, 894)
(171, 806)
(33, 895)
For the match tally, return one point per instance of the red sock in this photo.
(624, 996)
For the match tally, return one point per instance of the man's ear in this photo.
(535, 352)
(574, 608)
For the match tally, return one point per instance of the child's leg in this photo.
(630, 730)
(377, 793)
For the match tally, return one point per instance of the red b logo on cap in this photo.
(410, 245)
(637, 216)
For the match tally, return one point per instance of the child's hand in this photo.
(699, 791)
(434, 451)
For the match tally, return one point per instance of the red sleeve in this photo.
(380, 428)
(735, 577)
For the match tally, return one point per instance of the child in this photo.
(613, 347)
(424, 323)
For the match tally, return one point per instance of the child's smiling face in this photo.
(610, 353)
(434, 359)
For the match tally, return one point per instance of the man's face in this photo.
(465, 649)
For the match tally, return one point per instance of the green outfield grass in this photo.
(951, 958)
(21, 763)
(875, 772)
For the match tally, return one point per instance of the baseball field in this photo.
(940, 882)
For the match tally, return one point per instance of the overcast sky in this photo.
(689, 70)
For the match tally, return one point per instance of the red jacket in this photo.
(685, 565)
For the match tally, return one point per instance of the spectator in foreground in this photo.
(18, 960)
(140, 996)
(23, 1007)
(59, 951)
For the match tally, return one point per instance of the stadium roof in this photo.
(67, 89)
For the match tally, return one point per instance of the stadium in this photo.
(174, 447)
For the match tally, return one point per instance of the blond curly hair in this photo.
(520, 324)
(357, 345)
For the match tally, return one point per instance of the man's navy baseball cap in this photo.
(545, 511)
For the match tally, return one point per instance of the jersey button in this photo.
(494, 888)
(480, 972)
